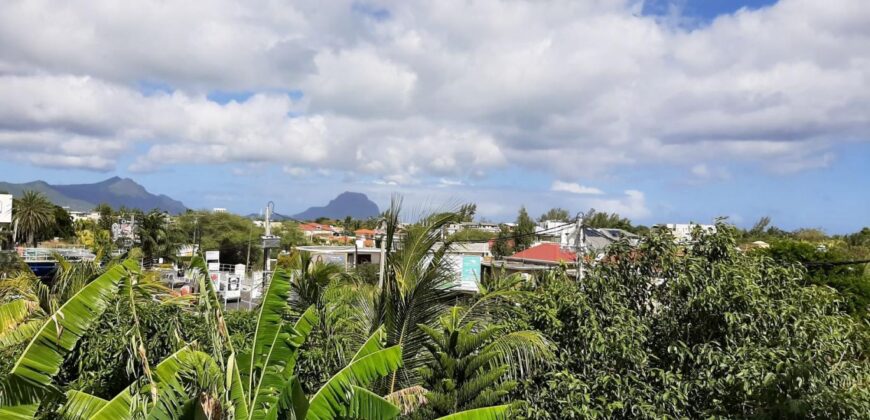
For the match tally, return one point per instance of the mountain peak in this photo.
(348, 203)
(114, 191)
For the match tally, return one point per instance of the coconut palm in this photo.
(157, 237)
(32, 214)
(415, 288)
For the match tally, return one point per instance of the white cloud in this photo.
(704, 172)
(447, 89)
(632, 205)
(575, 188)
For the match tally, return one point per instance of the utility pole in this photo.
(580, 246)
(383, 255)
(266, 246)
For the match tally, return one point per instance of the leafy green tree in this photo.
(503, 244)
(466, 212)
(555, 214)
(63, 226)
(859, 239)
(290, 233)
(595, 219)
(822, 262)
(157, 237)
(524, 231)
(707, 331)
(760, 226)
(471, 235)
(107, 216)
(225, 232)
(32, 215)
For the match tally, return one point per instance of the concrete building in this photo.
(539, 258)
(465, 261)
(481, 226)
(683, 231)
(83, 215)
(344, 256)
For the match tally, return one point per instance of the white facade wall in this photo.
(683, 231)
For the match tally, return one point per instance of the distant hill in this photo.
(352, 204)
(114, 191)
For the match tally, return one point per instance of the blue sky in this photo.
(664, 111)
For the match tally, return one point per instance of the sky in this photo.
(662, 111)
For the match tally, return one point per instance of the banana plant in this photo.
(257, 384)
(30, 380)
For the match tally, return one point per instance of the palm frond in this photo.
(13, 313)
(273, 351)
(521, 350)
(365, 404)
(498, 412)
(32, 374)
(408, 399)
(332, 399)
(21, 333)
(81, 405)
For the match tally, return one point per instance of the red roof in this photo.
(364, 232)
(316, 226)
(546, 252)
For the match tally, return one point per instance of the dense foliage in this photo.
(698, 332)
(718, 327)
(236, 237)
(524, 231)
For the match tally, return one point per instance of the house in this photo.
(559, 249)
(539, 258)
(83, 215)
(317, 230)
(453, 228)
(545, 253)
(556, 231)
(344, 256)
(465, 261)
(683, 231)
(596, 239)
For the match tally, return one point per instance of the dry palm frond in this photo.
(408, 399)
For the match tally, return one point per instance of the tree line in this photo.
(660, 330)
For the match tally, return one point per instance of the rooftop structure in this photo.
(683, 231)
(545, 253)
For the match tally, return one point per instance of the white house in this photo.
(683, 231)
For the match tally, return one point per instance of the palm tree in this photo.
(415, 291)
(471, 364)
(311, 279)
(157, 237)
(415, 288)
(32, 214)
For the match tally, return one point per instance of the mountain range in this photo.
(352, 204)
(118, 192)
(114, 191)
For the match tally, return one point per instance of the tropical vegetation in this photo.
(719, 327)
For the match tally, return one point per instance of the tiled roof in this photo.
(546, 252)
